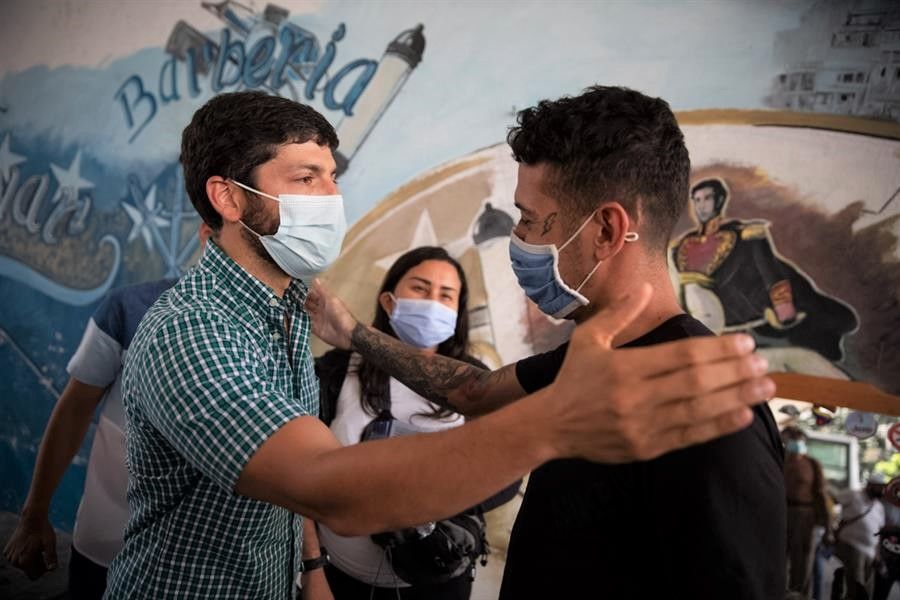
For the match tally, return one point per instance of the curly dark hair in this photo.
(609, 143)
(373, 381)
(234, 133)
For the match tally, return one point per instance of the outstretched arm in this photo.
(32, 546)
(453, 384)
(606, 406)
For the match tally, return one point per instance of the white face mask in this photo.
(310, 232)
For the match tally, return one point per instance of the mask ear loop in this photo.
(250, 189)
(585, 280)
(577, 231)
(248, 229)
(631, 236)
(394, 300)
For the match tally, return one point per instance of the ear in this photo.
(225, 199)
(613, 223)
(387, 302)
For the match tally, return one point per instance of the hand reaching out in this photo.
(638, 403)
(331, 321)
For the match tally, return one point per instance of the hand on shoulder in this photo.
(638, 403)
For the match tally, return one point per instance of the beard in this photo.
(257, 219)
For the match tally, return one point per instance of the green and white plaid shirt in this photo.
(209, 377)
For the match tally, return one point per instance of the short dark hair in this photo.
(609, 143)
(720, 192)
(375, 396)
(234, 133)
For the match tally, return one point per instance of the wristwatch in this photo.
(311, 564)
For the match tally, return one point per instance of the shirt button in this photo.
(276, 336)
(273, 301)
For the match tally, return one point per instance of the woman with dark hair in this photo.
(422, 302)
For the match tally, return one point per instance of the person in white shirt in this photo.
(95, 379)
(423, 302)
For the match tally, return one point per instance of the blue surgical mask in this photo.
(422, 323)
(537, 268)
(310, 232)
(795, 446)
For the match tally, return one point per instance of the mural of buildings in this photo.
(843, 59)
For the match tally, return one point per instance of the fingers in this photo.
(707, 408)
(28, 560)
(700, 379)
(671, 356)
(50, 551)
(697, 433)
(606, 324)
(313, 297)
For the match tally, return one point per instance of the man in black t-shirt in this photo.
(702, 522)
(602, 180)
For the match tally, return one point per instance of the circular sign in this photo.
(861, 425)
(892, 491)
(893, 435)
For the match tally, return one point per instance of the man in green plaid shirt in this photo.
(224, 447)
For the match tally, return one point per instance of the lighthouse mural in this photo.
(402, 55)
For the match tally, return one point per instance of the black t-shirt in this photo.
(705, 522)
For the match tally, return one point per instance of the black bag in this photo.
(438, 552)
(432, 553)
(435, 552)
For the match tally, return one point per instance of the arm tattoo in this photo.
(548, 223)
(434, 377)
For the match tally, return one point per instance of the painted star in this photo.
(8, 159)
(71, 177)
(139, 216)
(424, 235)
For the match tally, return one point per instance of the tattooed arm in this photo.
(655, 399)
(451, 383)
(462, 387)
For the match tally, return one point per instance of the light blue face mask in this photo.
(310, 232)
(422, 323)
(795, 446)
(537, 268)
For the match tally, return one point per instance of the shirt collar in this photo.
(245, 285)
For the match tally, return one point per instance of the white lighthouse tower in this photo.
(400, 58)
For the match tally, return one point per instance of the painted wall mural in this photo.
(801, 250)
(817, 289)
(764, 251)
(85, 206)
(844, 58)
(761, 253)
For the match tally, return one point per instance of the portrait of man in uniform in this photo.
(733, 279)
